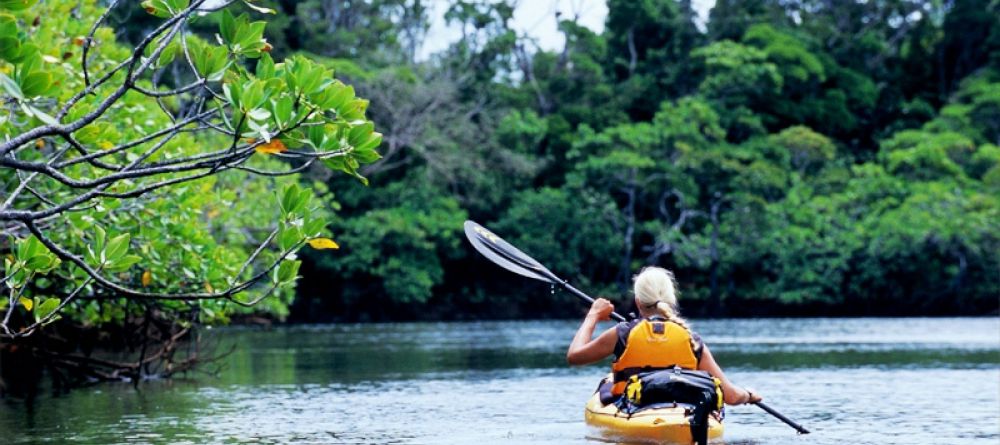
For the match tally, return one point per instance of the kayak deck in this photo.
(656, 425)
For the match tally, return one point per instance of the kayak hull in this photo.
(659, 425)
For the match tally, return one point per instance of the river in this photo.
(851, 381)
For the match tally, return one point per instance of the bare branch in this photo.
(184, 89)
(127, 292)
(89, 40)
(134, 70)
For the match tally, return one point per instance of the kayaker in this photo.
(656, 298)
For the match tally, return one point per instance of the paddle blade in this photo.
(504, 254)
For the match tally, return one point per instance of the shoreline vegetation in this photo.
(837, 160)
(168, 166)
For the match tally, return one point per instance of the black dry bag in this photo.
(696, 388)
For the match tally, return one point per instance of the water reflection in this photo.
(878, 381)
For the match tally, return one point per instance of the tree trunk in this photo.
(632, 53)
(625, 266)
(715, 297)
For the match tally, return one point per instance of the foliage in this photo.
(787, 158)
(144, 178)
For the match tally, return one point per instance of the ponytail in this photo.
(671, 314)
(656, 287)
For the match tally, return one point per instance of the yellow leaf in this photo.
(26, 302)
(147, 278)
(323, 243)
(208, 287)
(275, 146)
(105, 145)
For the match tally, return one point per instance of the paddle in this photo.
(509, 257)
(782, 418)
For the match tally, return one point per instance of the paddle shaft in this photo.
(782, 418)
(585, 297)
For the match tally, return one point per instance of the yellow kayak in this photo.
(656, 425)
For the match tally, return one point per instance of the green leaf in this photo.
(35, 84)
(126, 261)
(314, 227)
(288, 198)
(54, 319)
(359, 134)
(366, 156)
(17, 5)
(210, 61)
(317, 135)
(18, 279)
(259, 114)
(253, 95)
(46, 307)
(168, 54)
(35, 257)
(8, 25)
(265, 67)
(28, 248)
(288, 271)
(341, 94)
(227, 26)
(282, 108)
(41, 115)
(346, 165)
(241, 36)
(101, 237)
(39, 262)
(164, 8)
(300, 202)
(10, 48)
(289, 237)
(11, 87)
(117, 247)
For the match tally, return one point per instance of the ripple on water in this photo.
(854, 381)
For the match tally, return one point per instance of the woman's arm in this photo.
(583, 350)
(734, 395)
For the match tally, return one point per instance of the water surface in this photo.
(851, 381)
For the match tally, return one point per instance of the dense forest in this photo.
(787, 157)
(782, 157)
(171, 164)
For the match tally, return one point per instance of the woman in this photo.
(660, 339)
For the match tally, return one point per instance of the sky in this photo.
(535, 18)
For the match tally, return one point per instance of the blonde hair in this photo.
(655, 287)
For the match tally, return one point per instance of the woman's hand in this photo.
(752, 396)
(601, 309)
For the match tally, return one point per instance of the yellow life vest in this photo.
(651, 345)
